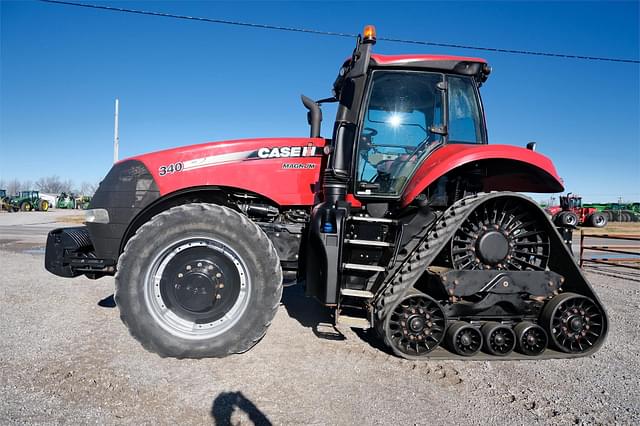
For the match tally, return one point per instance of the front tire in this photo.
(198, 280)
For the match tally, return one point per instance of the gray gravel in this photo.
(64, 358)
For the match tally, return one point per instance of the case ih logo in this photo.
(288, 151)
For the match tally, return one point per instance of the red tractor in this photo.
(404, 222)
(571, 213)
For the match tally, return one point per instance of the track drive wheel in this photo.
(415, 325)
(499, 339)
(464, 339)
(575, 323)
(531, 338)
(198, 280)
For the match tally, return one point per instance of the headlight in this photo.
(96, 216)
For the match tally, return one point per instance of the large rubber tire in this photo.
(25, 206)
(233, 233)
(43, 206)
(569, 219)
(598, 220)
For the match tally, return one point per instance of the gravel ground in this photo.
(65, 357)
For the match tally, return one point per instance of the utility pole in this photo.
(116, 139)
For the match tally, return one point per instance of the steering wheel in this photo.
(368, 133)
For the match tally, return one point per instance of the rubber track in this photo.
(404, 276)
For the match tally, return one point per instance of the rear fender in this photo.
(505, 167)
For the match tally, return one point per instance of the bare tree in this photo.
(88, 188)
(27, 185)
(13, 186)
(51, 184)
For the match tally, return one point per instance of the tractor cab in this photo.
(570, 202)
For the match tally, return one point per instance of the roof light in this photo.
(369, 34)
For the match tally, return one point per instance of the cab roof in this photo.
(455, 64)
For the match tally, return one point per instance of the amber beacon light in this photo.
(369, 34)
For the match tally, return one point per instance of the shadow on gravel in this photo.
(309, 313)
(225, 404)
(107, 302)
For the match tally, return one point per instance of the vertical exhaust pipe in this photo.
(314, 116)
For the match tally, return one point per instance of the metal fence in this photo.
(620, 250)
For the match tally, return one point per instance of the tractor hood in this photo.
(281, 169)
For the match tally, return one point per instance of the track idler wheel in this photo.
(499, 339)
(531, 339)
(575, 323)
(415, 326)
(464, 339)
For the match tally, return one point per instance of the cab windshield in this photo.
(404, 121)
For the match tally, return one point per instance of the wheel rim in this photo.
(532, 339)
(499, 340)
(465, 340)
(575, 323)
(197, 288)
(416, 325)
(503, 235)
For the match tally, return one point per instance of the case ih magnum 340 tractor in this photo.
(404, 222)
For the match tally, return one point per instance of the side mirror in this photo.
(531, 146)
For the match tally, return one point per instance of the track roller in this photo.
(415, 326)
(531, 338)
(499, 339)
(575, 323)
(464, 339)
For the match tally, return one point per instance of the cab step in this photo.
(361, 267)
(371, 219)
(368, 243)
(364, 294)
(353, 322)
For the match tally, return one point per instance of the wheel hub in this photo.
(501, 234)
(576, 324)
(492, 247)
(416, 323)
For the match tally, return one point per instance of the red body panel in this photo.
(405, 59)
(242, 164)
(449, 157)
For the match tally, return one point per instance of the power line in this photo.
(341, 34)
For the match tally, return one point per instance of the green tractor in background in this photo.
(618, 212)
(27, 201)
(4, 200)
(72, 201)
(66, 201)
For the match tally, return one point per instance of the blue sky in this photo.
(182, 82)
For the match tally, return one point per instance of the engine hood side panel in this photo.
(284, 170)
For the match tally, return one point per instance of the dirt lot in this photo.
(65, 357)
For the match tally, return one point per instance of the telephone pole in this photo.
(116, 139)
